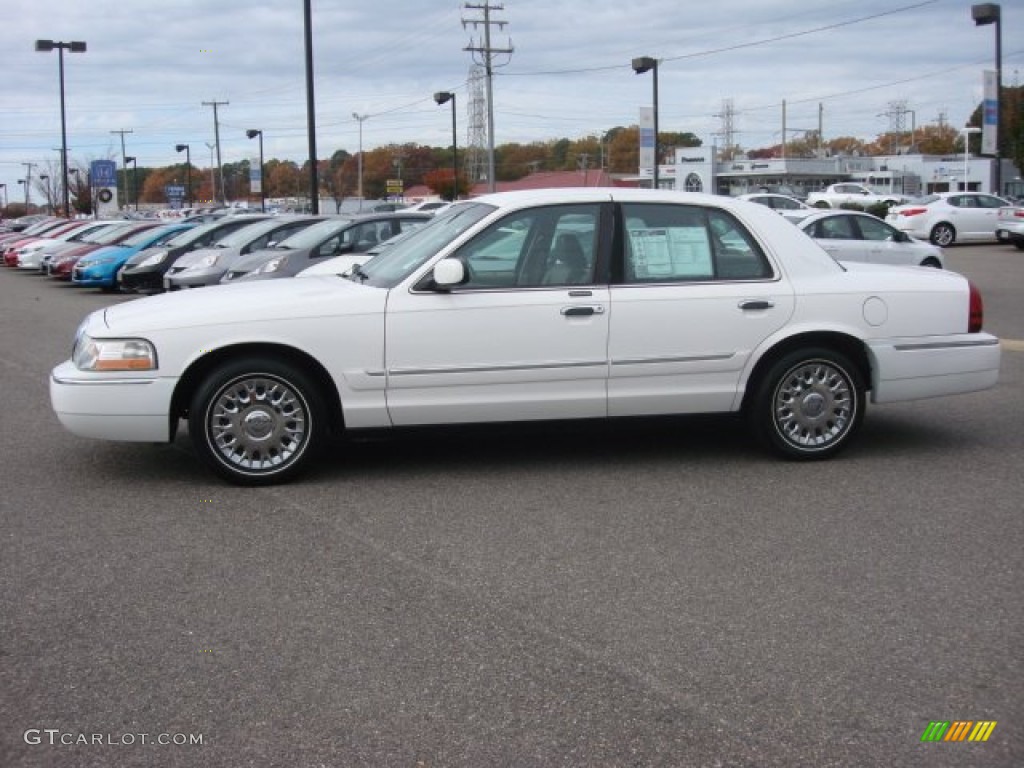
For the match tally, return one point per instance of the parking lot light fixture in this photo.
(188, 168)
(44, 46)
(252, 133)
(643, 64)
(443, 97)
(991, 13)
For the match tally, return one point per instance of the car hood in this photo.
(194, 257)
(250, 261)
(261, 301)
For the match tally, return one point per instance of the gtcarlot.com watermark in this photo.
(55, 737)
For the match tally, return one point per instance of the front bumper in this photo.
(112, 406)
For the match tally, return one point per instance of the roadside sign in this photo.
(394, 186)
(103, 173)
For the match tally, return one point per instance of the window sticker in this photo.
(670, 252)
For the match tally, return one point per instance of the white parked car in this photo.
(1010, 225)
(547, 304)
(949, 217)
(855, 236)
(837, 195)
(789, 207)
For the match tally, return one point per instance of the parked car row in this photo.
(156, 255)
(912, 233)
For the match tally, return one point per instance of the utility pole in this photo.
(216, 139)
(28, 183)
(124, 166)
(487, 52)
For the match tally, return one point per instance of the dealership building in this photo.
(697, 169)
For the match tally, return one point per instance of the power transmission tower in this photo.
(728, 130)
(216, 139)
(486, 53)
(476, 141)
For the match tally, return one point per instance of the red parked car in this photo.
(10, 248)
(62, 266)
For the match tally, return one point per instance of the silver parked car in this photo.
(322, 241)
(206, 266)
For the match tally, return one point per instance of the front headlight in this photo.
(207, 261)
(113, 354)
(273, 265)
(153, 259)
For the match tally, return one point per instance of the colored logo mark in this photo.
(958, 730)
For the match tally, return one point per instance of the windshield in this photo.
(246, 235)
(314, 235)
(191, 235)
(111, 234)
(145, 236)
(925, 200)
(403, 258)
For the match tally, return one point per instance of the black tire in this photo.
(931, 263)
(808, 404)
(257, 421)
(1019, 245)
(942, 234)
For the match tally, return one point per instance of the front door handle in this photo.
(582, 311)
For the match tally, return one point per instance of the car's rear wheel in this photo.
(942, 235)
(1019, 244)
(808, 404)
(258, 421)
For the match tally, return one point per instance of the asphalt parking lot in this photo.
(655, 593)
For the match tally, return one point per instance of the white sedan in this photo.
(548, 304)
(786, 206)
(855, 236)
(949, 217)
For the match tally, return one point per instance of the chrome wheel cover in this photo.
(943, 235)
(258, 423)
(814, 405)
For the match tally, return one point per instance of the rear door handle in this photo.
(756, 304)
(582, 311)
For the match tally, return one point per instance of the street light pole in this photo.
(640, 65)
(188, 168)
(135, 171)
(442, 97)
(360, 118)
(967, 131)
(990, 13)
(46, 190)
(253, 133)
(74, 47)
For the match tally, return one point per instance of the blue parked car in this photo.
(100, 267)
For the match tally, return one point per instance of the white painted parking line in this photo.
(1012, 345)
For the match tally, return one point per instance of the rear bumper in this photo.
(918, 368)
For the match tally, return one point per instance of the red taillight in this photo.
(976, 316)
(912, 211)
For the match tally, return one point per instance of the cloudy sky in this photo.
(150, 65)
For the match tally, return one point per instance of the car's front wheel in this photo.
(808, 404)
(942, 235)
(258, 421)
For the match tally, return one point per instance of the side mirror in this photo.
(449, 273)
